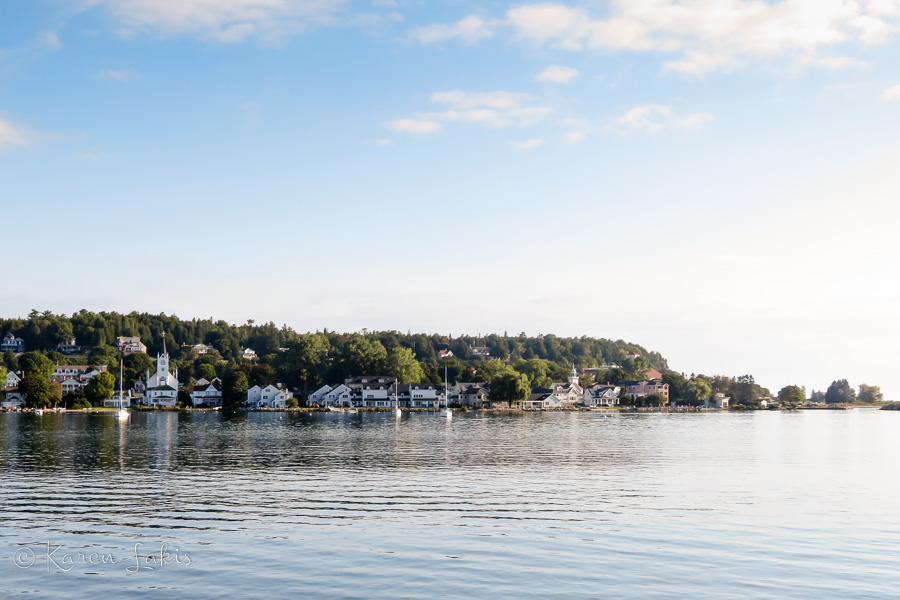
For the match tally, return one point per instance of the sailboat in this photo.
(397, 410)
(447, 412)
(121, 413)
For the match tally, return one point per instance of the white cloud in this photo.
(891, 93)
(574, 137)
(527, 144)
(654, 118)
(710, 34)
(415, 126)
(222, 20)
(491, 109)
(557, 74)
(469, 30)
(16, 136)
(842, 62)
(12, 135)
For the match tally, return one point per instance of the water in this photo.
(759, 505)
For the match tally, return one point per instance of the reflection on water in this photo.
(790, 505)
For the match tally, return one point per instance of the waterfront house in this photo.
(80, 372)
(271, 396)
(162, 386)
(339, 395)
(130, 345)
(207, 392)
(12, 343)
(114, 402)
(538, 400)
(139, 387)
(13, 400)
(569, 393)
(70, 386)
(418, 395)
(247, 354)
(639, 389)
(476, 395)
(602, 395)
(368, 390)
(718, 401)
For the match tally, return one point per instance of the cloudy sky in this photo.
(714, 179)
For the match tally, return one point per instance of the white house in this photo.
(12, 380)
(201, 349)
(602, 395)
(162, 387)
(63, 372)
(445, 353)
(68, 347)
(12, 343)
(569, 393)
(475, 395)
(13, 400)
(114, 401)
(542, 399)
(268, 397)
(718, 401)
(207, 392)
(480, 350)
(247, 354)
(130, 345)
(416, 395)
(339, 395)
(369, 390)
(70, 385)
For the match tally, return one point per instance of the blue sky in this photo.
(714, 179)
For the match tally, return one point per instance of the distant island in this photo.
(51, 360)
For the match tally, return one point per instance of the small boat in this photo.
(397, 412)
(39, 411)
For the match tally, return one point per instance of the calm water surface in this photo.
(760, 505)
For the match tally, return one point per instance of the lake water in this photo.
(563, 505)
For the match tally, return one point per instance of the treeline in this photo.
(305, 361)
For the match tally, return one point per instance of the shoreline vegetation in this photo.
(507, 369)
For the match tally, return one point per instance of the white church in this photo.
(162, 388)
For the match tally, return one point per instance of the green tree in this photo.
(537, 370)
(402, 364)
(654, 399)
(791, 395)
(840, 392)
(364, 356)
(207, 371)
(3, 374)
(510, 387)
(490, 370)
(234, 388)
(677, 385)
(100, 388)
(36, 386)
(136, 366)
(103, 355)
(635, 369)
(696, 391)
(870, 394)
(10, 360)
(292, 403)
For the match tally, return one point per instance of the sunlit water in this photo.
(760, 505)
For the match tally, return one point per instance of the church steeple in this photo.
(573, 378)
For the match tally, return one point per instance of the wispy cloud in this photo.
(710, 34)
(527, 144)
(13, 135)
(557, 74)
(469, 30)
(892, 93)
(491, 109)
(220, 20)
(655, 118)
(842, 62)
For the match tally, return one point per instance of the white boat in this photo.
(121, 413)
(446, 411)
(397, 412)
(39, 411)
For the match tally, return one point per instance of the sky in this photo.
(716, 180)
